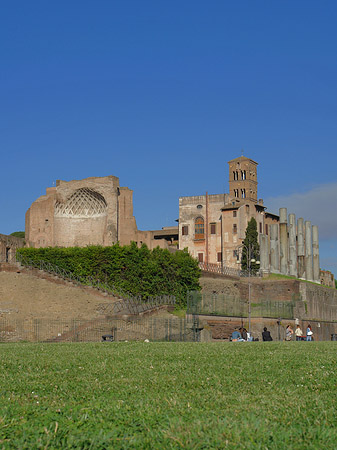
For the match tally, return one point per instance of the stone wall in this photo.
(8, 247)
(314, 304)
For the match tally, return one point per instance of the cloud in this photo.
(319, 205)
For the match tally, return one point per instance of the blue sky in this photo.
(163, 94)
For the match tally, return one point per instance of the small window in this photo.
(247, 209)
(243, 193)
(260, 227)
(235, 254)
(184, 230)
(213, 228)
(236, 193)
(267, 230)
(201, 257)
(199, 206)
(234, 213)
(219, 256)
(235, 228)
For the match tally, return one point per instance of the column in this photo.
(264, 254)
(300, 248)
(274, 249)
(308, 252)
(292, 246)
(315, 254)
(283, 241)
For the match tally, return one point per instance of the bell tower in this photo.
(243, 179)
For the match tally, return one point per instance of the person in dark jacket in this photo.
(266, 335)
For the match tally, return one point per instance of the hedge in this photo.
(139, 271)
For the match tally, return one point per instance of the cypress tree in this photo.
(251, 245)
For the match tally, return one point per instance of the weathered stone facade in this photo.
(92, 211)
(213, 228)
(8, 247)
(327, 278)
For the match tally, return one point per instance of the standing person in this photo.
(289, 333)
(266, 335)
(309, 333)
(298, 333)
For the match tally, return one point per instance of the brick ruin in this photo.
(92, 211)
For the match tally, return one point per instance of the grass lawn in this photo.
(168, 395)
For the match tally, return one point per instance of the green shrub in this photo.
(139, 271)
(19, 234)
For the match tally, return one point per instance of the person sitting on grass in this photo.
(236, 336)
(244, 334)
(266, 336)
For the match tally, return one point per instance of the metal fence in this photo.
(224, 305)
(151, 328)
(219, 268)
(227, 271)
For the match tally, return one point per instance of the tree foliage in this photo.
(139, 271)
(20, 234)
(251, 248)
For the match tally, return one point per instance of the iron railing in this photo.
(224, 270)
(219, 268)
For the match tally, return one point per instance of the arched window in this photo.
(83, 203)
(199, 228)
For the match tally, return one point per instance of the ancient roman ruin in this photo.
(92, 211)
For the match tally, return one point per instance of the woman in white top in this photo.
(298, 333)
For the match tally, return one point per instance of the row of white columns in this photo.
(292, 249)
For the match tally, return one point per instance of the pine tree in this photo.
(251, 248)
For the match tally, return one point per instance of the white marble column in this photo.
(308, 252)
(274, 249)
(283, 241)
(300, 248)
(264, 254)
(292, 246)
(315, 254)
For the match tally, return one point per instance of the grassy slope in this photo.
(168, 395)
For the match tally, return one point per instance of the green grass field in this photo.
(168, 395)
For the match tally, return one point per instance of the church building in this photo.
(213, 227)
